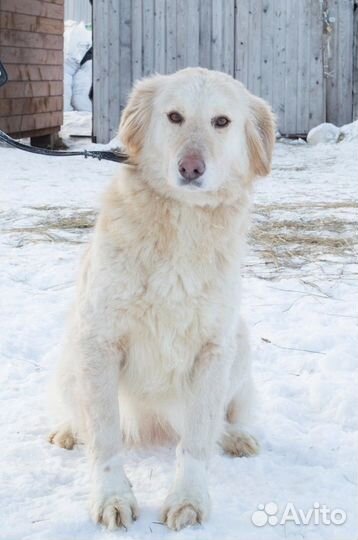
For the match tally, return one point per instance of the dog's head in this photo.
(197, 134)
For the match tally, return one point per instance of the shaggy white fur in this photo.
(156, 348)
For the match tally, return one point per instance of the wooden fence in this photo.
(355, 60)
(296, 54)
(78, 10)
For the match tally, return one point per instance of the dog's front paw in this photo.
(63, 437)
(182, 509)
(116, 510)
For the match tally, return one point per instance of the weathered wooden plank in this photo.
(137, 42)
(192, 32)
(242, 41)
(13, 107)
(33, 40)
(355, 62)
(331, 69)
(317, 94)
(148, 37)
(303, 67)
(15, 55)
(18, 21)
(118, 95)
(279, 62)
(345, 61)
(18, 72)
(216, 35)
(339, 54)
(101, 71)
(118, 40)
(205, 22)
(222, 36)
(159, 36)
(292, 23)
(34, 7)
(255, 46)
(182, 38)
(27, 122)
(267, 44)
(20, 89)
(228, 30)
(171, 36)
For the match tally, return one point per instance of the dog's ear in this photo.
(136, 115)
(260, 134)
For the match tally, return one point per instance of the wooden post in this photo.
(355, 61)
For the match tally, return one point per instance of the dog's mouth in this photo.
(191, 184)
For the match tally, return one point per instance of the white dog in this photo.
(156, 348)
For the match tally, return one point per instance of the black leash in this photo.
(98, 154)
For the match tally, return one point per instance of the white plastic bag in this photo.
(77, 41)
(81, 86)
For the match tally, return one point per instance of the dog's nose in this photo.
(191, 167)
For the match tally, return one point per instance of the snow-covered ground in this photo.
(300, 301)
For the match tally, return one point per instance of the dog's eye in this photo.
(220, 121)
(175, 117)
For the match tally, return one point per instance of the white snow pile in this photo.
(329, 133)
(300, 301)
(77, 78)
(350, 131)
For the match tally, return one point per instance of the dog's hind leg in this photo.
(235, 439)
(63, 401)
(237, 442)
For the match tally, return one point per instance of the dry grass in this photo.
(56, 226)
(315, 232)
(282, 235)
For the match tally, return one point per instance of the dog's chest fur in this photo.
(176, 278)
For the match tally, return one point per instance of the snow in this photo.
(300, 300)
(76, 123)
(324, 133)
(329, 133)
